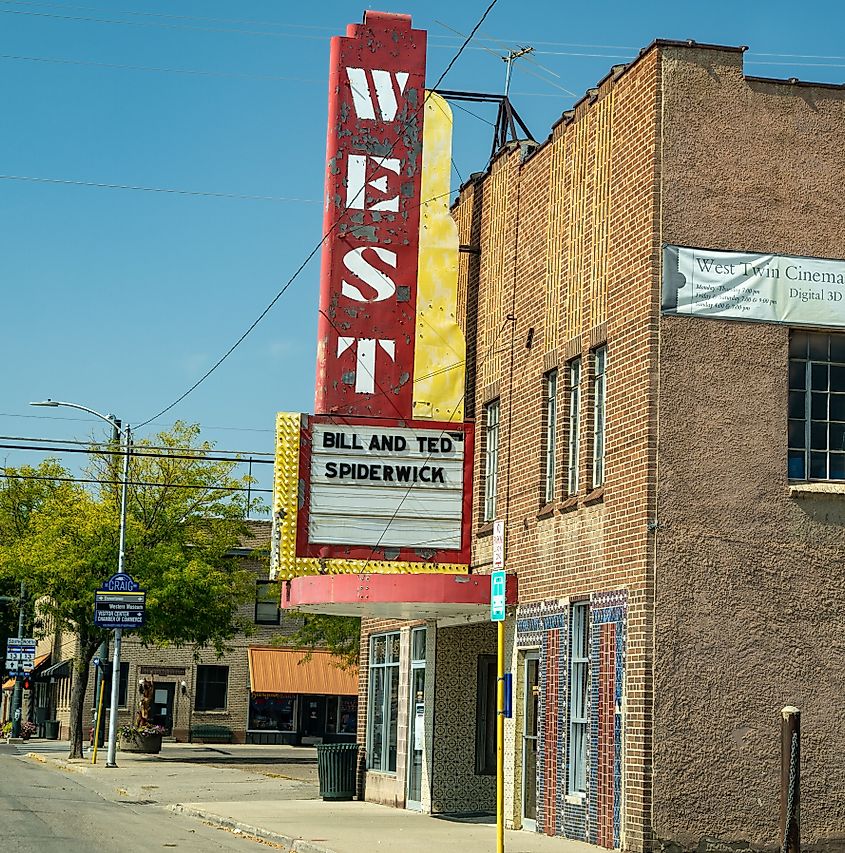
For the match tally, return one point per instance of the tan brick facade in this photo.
(693, 535)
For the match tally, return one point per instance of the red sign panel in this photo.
(368, 281)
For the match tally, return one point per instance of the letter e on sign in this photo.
(498, 544)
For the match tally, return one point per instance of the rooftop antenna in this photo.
(508, 59)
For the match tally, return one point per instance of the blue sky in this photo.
(121, 299)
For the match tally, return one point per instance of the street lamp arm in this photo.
(53, 403)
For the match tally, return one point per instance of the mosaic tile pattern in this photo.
(608, 613)
(545, 625)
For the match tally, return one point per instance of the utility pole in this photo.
(17, 696)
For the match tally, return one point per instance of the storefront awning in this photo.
(58, 670)
(273, 670)
(9, 683)
(427, 595)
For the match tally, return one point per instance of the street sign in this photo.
(20, 654)
(498, 544)
(120, 603)
(497, 596)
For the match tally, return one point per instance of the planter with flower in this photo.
(145, 738)
(28, 729)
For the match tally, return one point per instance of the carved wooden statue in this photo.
(145, 704)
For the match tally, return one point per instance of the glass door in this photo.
(416, 720)
(530, 718)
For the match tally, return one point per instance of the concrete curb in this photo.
(298, 845)
(58, 763)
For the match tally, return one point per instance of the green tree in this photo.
(183, 516)
(340, 635)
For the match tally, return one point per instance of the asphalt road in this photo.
(45, 810)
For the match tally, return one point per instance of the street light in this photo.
(121, 557)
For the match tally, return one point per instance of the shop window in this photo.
(267, 610)
(383, 708)
(485, 716)
(574, 444)
(491, 458)
(550, 423)
(816, 406)
(599, 397)
(275, 712)
(342, 715)
(212, 687)
(579, 665)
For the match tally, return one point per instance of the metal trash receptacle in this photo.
(337, 770)
(51, 729)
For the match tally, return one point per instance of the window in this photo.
(485, 716)
(816, 406)
(123, 684)
(551, 433)
(574, 439)
(599, 386)
(267, 603)
(578, 680)
(383, 708)
(491, 458)
(272, 712)
(212, 685)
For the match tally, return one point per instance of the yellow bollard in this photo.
(97, 724)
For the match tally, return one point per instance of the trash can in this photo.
(337, 769)
(51, 729)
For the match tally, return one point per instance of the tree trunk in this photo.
(81, 666)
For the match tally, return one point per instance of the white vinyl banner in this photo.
(386, 486)
(746, 286)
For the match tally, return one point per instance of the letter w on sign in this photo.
(386, 85)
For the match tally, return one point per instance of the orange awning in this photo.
(274, 670)
(9, 684)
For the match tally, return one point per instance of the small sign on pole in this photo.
(120, 603)
(498, 544)
(20, 654)
(497, 596)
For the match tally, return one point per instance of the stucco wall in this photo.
(749, 583)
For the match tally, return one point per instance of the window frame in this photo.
(277, 620)
(809, 370)
(578, 699)
(202, 685)
(492, 421)
(390, 670)
(573, 457)
(550, 413)
(599, 359)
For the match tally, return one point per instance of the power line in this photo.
(95, 444)
(320, 243)
(163, 70)
(199, 456)
(6, 476)
(171, 190)
(167, 425)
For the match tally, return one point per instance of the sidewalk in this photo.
(271, 792)
(313, 826)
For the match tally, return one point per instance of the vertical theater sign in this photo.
(378, 480)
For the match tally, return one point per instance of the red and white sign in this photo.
(368, 284)
(498, 544)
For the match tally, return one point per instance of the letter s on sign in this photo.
(383, 285)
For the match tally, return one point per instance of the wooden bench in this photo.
(211, 734)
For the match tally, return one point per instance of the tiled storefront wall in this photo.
(545, 626)
(455, 786)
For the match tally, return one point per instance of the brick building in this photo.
(259, 691)
(678, 544)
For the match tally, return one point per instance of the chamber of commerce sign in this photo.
(748, 286)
